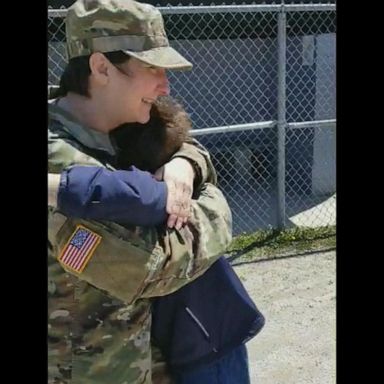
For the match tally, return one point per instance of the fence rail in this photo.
(228, 8)
(262, 100)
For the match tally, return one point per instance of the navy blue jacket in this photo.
(205, 319)
(132, 196)
(200, 322)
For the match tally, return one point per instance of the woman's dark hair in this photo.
(76, 74)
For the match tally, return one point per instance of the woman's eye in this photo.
(151, 67)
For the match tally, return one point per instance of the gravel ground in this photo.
(297, 296)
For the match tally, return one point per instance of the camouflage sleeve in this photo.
(136, 262)
(143, 262)
(194, 248)
(201, 161)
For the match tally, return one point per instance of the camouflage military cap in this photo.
(121, 25)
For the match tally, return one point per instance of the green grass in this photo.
(274, 243)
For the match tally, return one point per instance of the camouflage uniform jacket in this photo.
(99, 315)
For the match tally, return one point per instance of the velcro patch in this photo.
(79, 249)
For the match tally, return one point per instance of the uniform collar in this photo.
(88, 137)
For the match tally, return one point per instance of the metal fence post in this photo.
(281, 116)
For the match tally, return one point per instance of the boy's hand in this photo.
(179, 175)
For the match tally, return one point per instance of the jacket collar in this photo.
(88, 137)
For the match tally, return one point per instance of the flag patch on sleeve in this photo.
(79, 249)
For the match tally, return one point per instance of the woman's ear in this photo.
(99, 66)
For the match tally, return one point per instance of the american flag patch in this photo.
(79, 249)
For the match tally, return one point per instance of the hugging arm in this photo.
(130, 196)
(130, 263)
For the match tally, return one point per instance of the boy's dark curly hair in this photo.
(149, 146)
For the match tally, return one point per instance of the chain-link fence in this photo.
(264, 78)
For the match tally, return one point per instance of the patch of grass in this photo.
(274, 243)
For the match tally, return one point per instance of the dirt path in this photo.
(297, 297)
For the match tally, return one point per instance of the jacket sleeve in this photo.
(130, 196)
